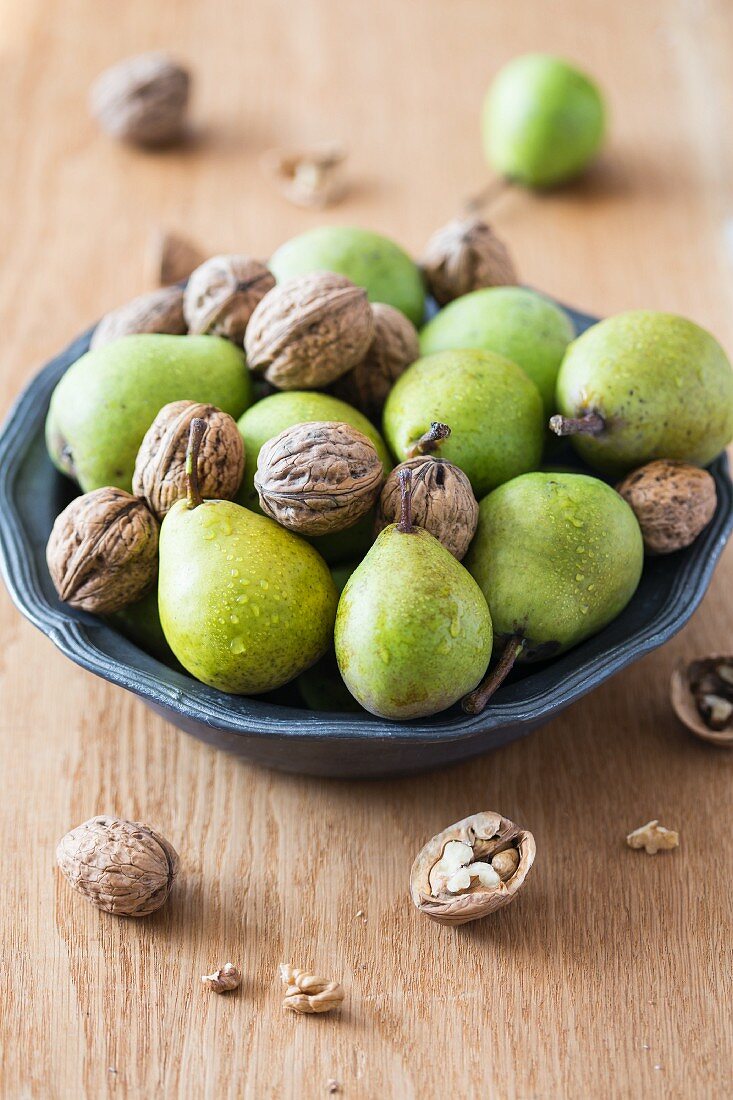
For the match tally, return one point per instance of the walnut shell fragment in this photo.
(159, 311)
(142, 99)
(672, 501)
(122, 867)
(466, 255)
(318, 477)
(222, 293)
(308, 331)
(172, 258)
(442, 502)
(465, 873)
(395, 345)
(102, 553)
(702, 697)
(160, 466)
(308, 994)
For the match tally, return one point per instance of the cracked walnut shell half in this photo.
(102, 553)
(160, 466)
(308, 331)
(471, 868)
(318, 477)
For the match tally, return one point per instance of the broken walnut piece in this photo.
(653, 838)
(471, 868)
(308, 177)
(308, 994)
(172, 258)
(226, 978)
(702, 697)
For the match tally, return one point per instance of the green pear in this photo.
(245, 605)
(543, 121)
(107, 400)
(140, 622)
(519, 324)
(413, 631)
(494, 410)
(379, 265)
(321, 688)
(557, 556)
(645, 385)
(273, 415)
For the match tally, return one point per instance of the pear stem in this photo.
(430, 441)
(590, 423)
(405, 524)
(475, 702)
(195, 435)
(487, 196)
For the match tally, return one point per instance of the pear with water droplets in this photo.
(244, 604)
(557, 556)
(413, 631)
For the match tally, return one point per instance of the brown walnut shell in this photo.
(159, 311)
(172, 258)
(466, 255)
(122, 867)
(672, 502)
(394, 347)
(693, 683)
(143, 99)
(160, 466)
(222, 293)
(489, 835)
(103, 551)
(319, 477)
(442, 502)
(308, 331)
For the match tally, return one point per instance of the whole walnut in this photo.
(103, 551)
(122, 867)
(442, 502)
(160, 466)
(222, 293)
(318, 477)
(466, 255)
(143, 99)
(394, 346)
(159, 311)
(308, 331)
(672, 502)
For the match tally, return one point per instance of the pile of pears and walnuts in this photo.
(240, 515)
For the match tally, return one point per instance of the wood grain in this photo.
(611, 975)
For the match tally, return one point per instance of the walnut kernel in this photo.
(226, 978)
(160, 466)
(308, 177)
(471, 868)
(222, 294)
(102, 553)
(318, 477)
(308, 994)
(308, 331)
(653, 838)
(672, 501)
(122, 867)
(159, 311)
(143, 99)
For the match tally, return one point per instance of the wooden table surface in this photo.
(611, 975)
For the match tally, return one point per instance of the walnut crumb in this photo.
(653, 838)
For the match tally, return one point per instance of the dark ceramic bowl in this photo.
(276, 730)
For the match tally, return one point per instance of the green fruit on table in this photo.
(374, 262)
(494, 411)
(245, 605)
(413, 631)
(511, 321)
(644, 385)
(543, 121)
(273, 415)
(107, 400)
(557, 556)
(140, 622)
